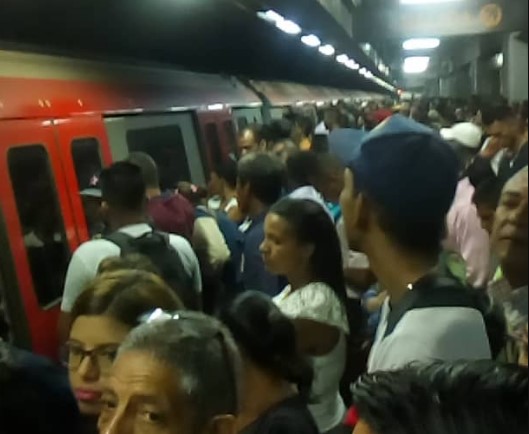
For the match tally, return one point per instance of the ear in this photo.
(363, 212)
(225, 424)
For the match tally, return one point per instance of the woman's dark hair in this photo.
(125, 296)
(302, 169)
(267, 338)
(227, 170)
(446, 398)
(312, 225)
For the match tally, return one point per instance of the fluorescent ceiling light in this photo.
(271, 16)
(342, 58)
(311, 40)
(416, 65)
(327, 50)
(421, 44)
(289, 27)
(363, 71)
(425, 2)
(351, 64)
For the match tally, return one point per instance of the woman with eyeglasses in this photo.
(301, 243)
(104, 314)
(276, 377)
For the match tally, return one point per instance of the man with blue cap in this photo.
(398, 189)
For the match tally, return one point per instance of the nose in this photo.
(118, 423)
(263, 248)
(89, 370)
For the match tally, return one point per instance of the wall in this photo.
(515, 76)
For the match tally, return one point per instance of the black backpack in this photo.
(156, 246)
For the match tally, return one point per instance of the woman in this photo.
(102, 317)
(444, 398)
(272, 368)
(301, 244)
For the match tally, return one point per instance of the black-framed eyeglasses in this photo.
(74, 354)
(219, 335)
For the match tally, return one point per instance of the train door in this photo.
(84, 149)
(40, 225)
(218, 134)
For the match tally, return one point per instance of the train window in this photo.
(166, 146)
(230, 133)
(41, 220)
(86, 159)
(213, 140)
(242, 123)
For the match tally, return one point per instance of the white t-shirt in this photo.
(429, 334)
(87, 258)
(318, 302)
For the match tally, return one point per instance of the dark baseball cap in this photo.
(407, 169)
(93, 188)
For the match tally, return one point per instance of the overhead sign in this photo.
(401, 22)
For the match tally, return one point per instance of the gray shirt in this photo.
(87, 258)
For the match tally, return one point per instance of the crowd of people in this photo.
(366, 273)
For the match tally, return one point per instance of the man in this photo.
(175, 374)
(252, 139)
(123, 194)
(259, 186)
(502, 124)
(510, 243)
(169, 212)
(303, 132)
(397, 194)
(91, 197)
(302, 178)
(466, 235)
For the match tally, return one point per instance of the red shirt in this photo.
(172, 213)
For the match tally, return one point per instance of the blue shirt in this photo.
(255, 277)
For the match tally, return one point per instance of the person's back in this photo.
(289, 417)
(170, 212)
(399, 222)
(34, 396)
(123, 192)
(276, 376)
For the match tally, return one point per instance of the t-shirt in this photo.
(436, 321)
(288, 417)
(318, 302)
(87, 258)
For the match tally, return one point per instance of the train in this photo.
(63, 118)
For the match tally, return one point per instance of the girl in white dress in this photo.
(301, 244)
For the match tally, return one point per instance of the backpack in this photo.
(156, 246)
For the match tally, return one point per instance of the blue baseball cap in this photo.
(407, 169)
(344, 143)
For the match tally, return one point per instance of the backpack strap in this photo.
(122, 240)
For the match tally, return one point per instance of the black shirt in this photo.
(288, 417)
(510, 166)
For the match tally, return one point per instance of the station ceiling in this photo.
(220, 36)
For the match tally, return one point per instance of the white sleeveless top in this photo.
(319, 303)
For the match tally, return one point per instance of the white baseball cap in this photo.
(467, 134)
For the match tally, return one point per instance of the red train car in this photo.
(63, 119)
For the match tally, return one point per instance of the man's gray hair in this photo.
(203, 352)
